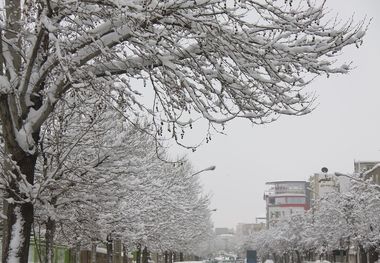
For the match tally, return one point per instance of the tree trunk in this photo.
(138, 254)
(78, 253)
(373, 255)
(17, 233)
(19, 171)
(109, 249)
(170, 257)
(93, 252)
(145, 255)
(117, 251)
(20, 214)
(49, 239)
(17, 228)
(125, 254)
(166, 256)
(363, 254)
(298, 256)
(181, 256)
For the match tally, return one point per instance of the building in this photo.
(322, 184)
(244, 229)
(224, 240)
(368, 170)
(362, 166)
(285, 198)
(223, 231)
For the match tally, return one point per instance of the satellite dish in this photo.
(324, 170)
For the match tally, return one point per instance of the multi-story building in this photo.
(368, 170)
(362, 166)
(285, 198)
(322, 184)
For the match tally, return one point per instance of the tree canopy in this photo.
(214, 59)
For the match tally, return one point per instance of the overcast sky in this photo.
(344, 127)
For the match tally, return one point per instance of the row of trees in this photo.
(99, 178)
(335, 224)
(214, 59)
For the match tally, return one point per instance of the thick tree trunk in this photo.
(19, 171)
(17, 234)
(181, 256)
(49, 239)
(17, 228)
(166, 257)
(13, 112)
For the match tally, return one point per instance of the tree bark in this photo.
(20, 218)
(49, 239)
(145, 255)
(20, 214)
(109, 248)
(77, 253)
(298, 256)
(117, 251)
(170, 257)
(363, 254)
(138, 254)
(93, 252)
(166, 256)
(19, 170)
(373, 255)
(125, 254)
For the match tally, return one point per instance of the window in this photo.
(280, 200)
(296, 200)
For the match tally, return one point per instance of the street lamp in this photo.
(348, 176)
(211, 168)
(357, 180)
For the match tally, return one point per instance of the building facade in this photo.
(285, 198)
(321, 184)
(368, 170)
(363, 166)
(247, 229)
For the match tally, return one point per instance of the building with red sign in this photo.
(285, 198)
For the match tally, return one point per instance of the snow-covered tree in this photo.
(216, 59)
(337, 221)
(105, 181)
(75, 142)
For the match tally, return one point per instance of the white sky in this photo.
(344, 127)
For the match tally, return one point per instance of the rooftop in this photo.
(285, 182)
